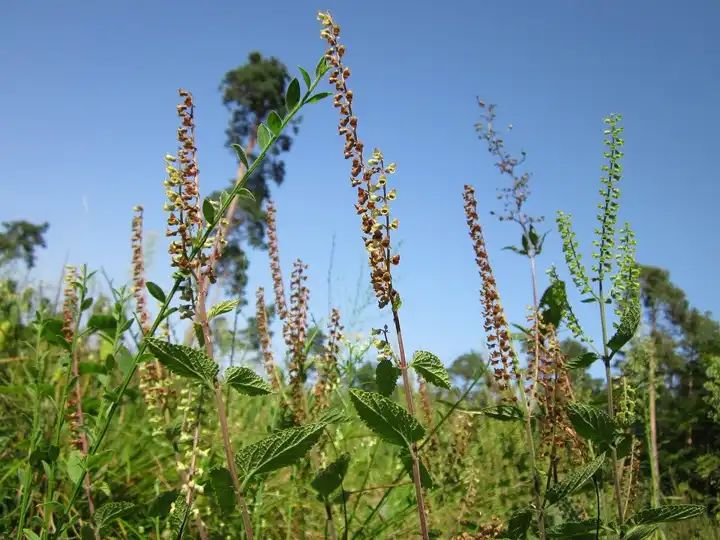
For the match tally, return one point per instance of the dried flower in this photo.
(294, 332)
(328, 371)
(370, 178)
(138, 270)
(496, 326)
(264, 338)
(274, 252)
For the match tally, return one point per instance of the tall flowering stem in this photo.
(328, 372)
(502, 354)
(264, 339)
(373, 206)
(294, 332)
(274, 252)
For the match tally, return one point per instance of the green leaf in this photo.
(430, 367)
(86, 304)
(246, 381)
(629, 322)
(306, 77)
(553, 303)
(330, 478)
(226, 306)
(184, 361)
(223, 489)
(386, 376)
(208, 209)
(155, 291)
(665, 514)
(102, 323)
(110, 511)
(318, 97)
(573, 481)
(178, 516)
(30, 535)
(519, 524)
(426, 480)
(281, 449)
(581, 362)
(591, 422)
(321, 67)
(245, 193)
(264, 136)
(160, 505)
(292, 96)
(274, 122)
(505, 413)
(386, 418)
(639, 532)
(573, 529)
(240, 154)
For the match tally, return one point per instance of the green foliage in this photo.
(573, 481)
(431, 369)
(282, 449)
(155, 291)
(386, 418)
(225, 306)
(20, 240)
(246, 381)
(386, 376)
(591, 423)
(110, 511)
(629, 322)
(664, 514)
(184, 361)
(222, 488)
(330, 478)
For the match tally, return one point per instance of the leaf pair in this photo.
(195, 364)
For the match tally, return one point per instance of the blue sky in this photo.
(89, 93)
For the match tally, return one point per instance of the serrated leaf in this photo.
(184, 361)
(573, 481)
(386, 418)
(386, 376)
(639, 532)
(426, 480)
(274, 122)
(505, 413)
(226, 306)
(553, 303)
(573, 529)
(519, 524)
(581, 362)
(629, 322)
(155, 291)
(292, 96)
(665, 514)
(305, 76)
(264, 136)
(246, 381)
(431, 369)
(208, 211)
(591, 422)
(223, 489)
(110, 511)
(178, 516)
(281, 449)
(240, 154)
(330, 478)
(318, 97)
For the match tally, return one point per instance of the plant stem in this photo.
(610, 402)
(413, 448)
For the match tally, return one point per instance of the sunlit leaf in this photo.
(155, 291)
(292, 96)
(574, 480)
(246, 381)
(184, 361)
(386, 418)
(431, 369)
(226, 306)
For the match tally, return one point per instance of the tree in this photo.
(251, 92)
(20, 240)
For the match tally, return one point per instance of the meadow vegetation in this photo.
(129, 411)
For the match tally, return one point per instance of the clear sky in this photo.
(88, 99)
